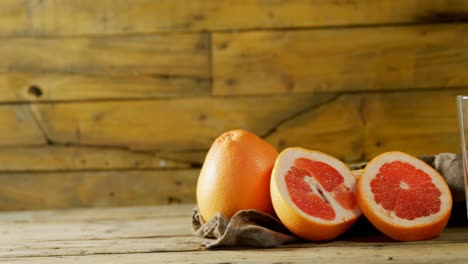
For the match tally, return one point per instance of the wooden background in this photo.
(116, 102)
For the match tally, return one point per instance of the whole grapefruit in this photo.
(236, 175)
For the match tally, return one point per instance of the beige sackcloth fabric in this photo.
(256, 229)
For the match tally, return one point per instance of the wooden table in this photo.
(162, 234)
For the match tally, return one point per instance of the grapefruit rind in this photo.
(374, 167)
(425, 227)
(236, 175)
(297, 221)
(287, 160)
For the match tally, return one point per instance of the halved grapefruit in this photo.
(404, 197)
(313, 194)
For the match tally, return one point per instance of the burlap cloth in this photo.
(255, 229)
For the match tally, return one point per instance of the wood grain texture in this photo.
(34, 246)
(92, 215)
(167, 55)
(33, 87)
(419, 123)
(354, 59)
(167, 125)
(97, 229)
(14, 18)
(162, 234)
(49, 17)
(96, 188)
(100, 246)
(19, 127)
(116, 102)
(357, 127)
(66, 158)
(451, 252)
(176, 133)
(353, 127)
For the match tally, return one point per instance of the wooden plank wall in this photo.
(116, 102)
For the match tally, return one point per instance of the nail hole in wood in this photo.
(35, 91)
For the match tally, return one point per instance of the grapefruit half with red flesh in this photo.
(404, 197)
(313, 194)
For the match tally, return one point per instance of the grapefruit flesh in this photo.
(403, 197)
(313, 194)
(405, 190)
(306, 181)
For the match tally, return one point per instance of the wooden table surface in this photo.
(162, 234)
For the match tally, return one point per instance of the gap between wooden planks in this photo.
(260, 62)
(162, 234)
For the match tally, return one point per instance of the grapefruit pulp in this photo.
(313, 194)
(403, 197)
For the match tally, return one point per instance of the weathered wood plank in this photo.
(173, 55)
(107, 229)
(50, 17)
(24, 87)
(334, 128)
(62, 158)
(18, 126)
(101, 246)
(357, 127)
(168, 125)
(76, 232)
(14, 17)
(353, 59)
(92, 215)
(395, 253)
(351, 126)
(46, 247)
(417, 123)
(96, 189)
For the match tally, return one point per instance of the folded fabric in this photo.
(245, 228)
(256, 229)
